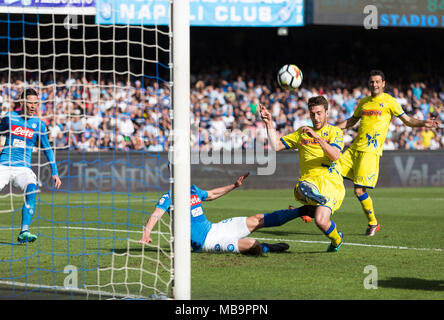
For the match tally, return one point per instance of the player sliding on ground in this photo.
(229, 235)
(360, 162)
(320, 186)
(24, 130)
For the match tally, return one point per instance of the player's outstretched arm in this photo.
(156, 215)
(219, 192)
(348, 123)
(413, 122)
(273, 137)
(47, 150)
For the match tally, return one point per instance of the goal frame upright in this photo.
(181, 172)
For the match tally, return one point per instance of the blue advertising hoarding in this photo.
(234, 13)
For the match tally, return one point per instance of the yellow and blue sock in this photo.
(28, 207)
(278, 218)
(367, 207)
(333, 235)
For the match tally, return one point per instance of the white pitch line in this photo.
(92, 201)
(264, 239)
(80, 228)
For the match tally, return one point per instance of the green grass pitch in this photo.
(91, 232)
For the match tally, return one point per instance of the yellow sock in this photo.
(333, 235)
(367, 207)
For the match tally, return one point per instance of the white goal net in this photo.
(104, 86)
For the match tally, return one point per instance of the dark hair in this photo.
(28, 92)
(377, 73)
(318, 101)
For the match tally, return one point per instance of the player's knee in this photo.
(255, 222)
(259, 219)
(359, 191)
(322, 221)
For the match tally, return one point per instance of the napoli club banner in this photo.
(48, 6)
(234, 13)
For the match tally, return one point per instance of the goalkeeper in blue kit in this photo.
(229, 235)
(24, 130)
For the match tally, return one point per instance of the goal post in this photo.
(181, 149)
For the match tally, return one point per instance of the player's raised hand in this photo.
(57, 182)
(309, 131)
(265, 114)
(239, 180)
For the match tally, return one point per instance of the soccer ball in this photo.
(289, 77)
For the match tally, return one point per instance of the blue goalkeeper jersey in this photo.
(200, 226)
(22, 134)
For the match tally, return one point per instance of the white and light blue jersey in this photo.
(200, 226)
(21, 137)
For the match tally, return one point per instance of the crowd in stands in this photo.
(104, 115)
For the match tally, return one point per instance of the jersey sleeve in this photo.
(337, 138)
(358, 110)
(292, 140)
(47, 149)
(164, 202)
(396, 109)
(203, 194)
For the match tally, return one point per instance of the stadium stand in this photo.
(225, 113)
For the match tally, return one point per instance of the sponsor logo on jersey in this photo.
(197, 212)
(18, 143)
(22, 132)
(371, 112)
(305, 142)
(194, 200)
